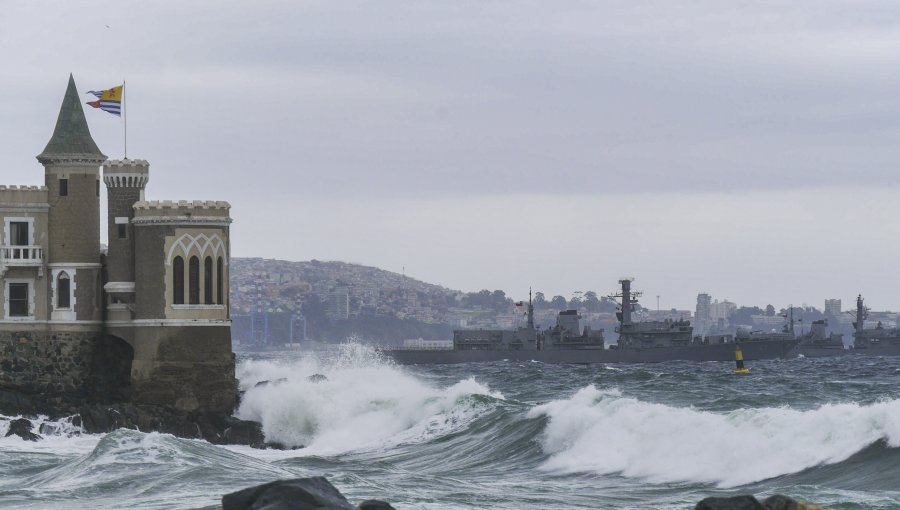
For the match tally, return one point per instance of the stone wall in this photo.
(189, 367)
(65, 367)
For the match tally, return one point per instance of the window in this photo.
(18, 300)
(220, 271)
(207, 281)
(63, 291)
(18, 233)
(64, 187)
(178, 281)
(194, 281)
(123, 230)
(98, 187)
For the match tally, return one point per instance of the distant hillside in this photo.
(337, 299)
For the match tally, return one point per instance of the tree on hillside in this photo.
(558, 302)
(770, 310)
(591, 301)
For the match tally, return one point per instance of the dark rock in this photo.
(22, 428)
(14, 402)
(375, 504)
(314, 493)
(267, 382)
(217, 428)
(779, 502)
(317, 378)
(733, 503)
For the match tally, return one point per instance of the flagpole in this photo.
(125, 118)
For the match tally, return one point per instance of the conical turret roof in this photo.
(71, 138)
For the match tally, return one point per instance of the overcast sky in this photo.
(745, 149)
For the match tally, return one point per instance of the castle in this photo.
(144, 321)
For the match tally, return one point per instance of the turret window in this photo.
(63, 291)
(220, 281)
(178, 281)
(194, 281)
(64, 187)
(208, 281)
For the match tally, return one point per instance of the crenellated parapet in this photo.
(23, 195)
(185, 212)
(126, 173)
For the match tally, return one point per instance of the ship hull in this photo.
(823, 352)
(719, 352)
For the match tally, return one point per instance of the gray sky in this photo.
(745, 149)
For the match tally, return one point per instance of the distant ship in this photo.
(878, 341)
(568, 342)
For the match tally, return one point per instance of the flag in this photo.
(109, 100)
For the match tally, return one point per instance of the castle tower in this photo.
(181, 328)
(125, 183)
(71, 162)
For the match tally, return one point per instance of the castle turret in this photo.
(125, 183)
(71, 162)
(181, 330)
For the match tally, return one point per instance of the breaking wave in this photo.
(362, 403)
(603, 432)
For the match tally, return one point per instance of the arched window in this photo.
(207, 281)
(178, 281)
(194, 281)
(63, 290)
(220, 281)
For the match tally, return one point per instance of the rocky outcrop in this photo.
(217, 428)
(747, 502)
(314, 493)
(23, 428)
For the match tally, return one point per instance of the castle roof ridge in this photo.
(126, 162)
(182, 204)
(23, 187)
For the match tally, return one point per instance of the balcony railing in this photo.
(22, 255)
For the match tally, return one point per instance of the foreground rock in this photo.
(777, 502)
(22, 428)
(314, 493)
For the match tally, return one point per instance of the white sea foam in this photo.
(364, 403)
(604, 432)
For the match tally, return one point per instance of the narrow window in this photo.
(207, 281)
(64, 187)
(220, 281)
(18, 300)
(178, 281)
(18, 233)
(194, 281)
(123, 230)
(98, 187)
(63, 291)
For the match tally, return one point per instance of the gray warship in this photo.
(877, 341)
(569, 342)
(819, 344)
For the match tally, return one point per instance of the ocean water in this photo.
(504, 435)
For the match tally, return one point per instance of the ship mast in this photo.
(530, 311)
(861, 314)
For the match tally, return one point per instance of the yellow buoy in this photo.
(739, 361)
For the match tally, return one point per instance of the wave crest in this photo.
(363, 403)
(603, 432)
